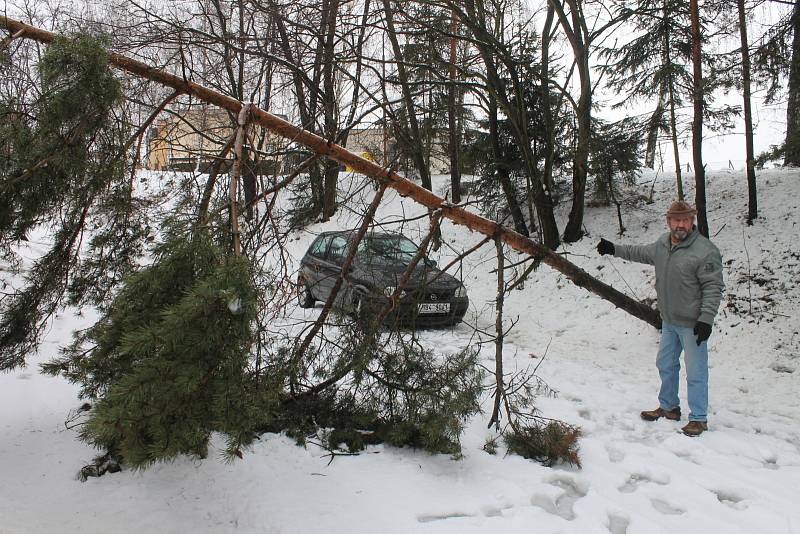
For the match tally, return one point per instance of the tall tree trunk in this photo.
(454, 138)
(752, 211)
(502, 172)
(792, 156)
(549, 127)
(578, 36)
(653, 127)
(330, 10)
(673, 123)
(697, 122)
(673, 129)
(414, 137)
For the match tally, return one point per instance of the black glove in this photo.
(702, 331)
(605, 247)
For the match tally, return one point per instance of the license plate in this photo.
(434, 307)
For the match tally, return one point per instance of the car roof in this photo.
(369, 234)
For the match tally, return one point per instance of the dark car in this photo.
(431, 297)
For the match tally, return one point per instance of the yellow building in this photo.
(193, 139)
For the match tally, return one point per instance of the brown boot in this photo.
(695, 428)
(653, 415)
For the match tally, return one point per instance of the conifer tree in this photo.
(168, 362)
(62, 159)
(655, 64)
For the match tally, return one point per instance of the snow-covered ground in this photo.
(740, 477)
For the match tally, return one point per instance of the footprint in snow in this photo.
(618, 524)
(563, 506)
(636, 479)
(615, 455)
(771, 462)
(731, 498)
(429, 518)
(493, 511)
(666, 508)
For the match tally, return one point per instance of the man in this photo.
(689, 289)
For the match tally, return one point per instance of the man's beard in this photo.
(679, 234)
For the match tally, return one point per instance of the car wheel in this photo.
(304, 297)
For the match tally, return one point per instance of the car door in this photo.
(313, 263)
(331, 266)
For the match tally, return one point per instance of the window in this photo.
(387, 250)
(318, 247)
(337, 249)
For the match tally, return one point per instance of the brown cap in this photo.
(679, 207)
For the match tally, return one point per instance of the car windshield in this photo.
(387, 250)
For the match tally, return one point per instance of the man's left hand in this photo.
(702, 331)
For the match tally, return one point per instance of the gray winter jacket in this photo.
(688, 276)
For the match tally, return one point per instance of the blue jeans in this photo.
(675, 339)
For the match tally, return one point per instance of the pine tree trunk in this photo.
(653, 127)
(331, 174)
(697, 122)
(673, 123)
(549, 129)
(676, 155)
(306, 107)
(792, 156)
(752, 211)
(452, 117)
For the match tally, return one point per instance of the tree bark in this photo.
(454, 138)
(579, 40)
(404, 187)
(500, 389)
(673, 123)
(414, 137)
(233, 194)
(501, 172)
(697, 121)
(330, 10)
(752, 211)
(792, 156)
(547, 110)
(653, 126)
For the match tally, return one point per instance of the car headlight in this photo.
(389, 291)
(461, 292)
